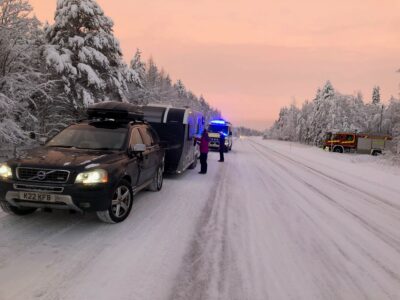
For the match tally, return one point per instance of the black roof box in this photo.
(115, 110)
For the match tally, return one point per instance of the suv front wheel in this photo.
(13, 210)
(121, 204)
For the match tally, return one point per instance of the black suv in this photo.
(96, 165)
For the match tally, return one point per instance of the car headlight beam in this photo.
(5, 171)
(92, 177)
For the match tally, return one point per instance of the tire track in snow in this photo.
(381, 234)
(336, 180)
(193, 280)
(393, 210)
(311, 243)
(390, 241)
(205, 268)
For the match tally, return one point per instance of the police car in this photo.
(215, 129)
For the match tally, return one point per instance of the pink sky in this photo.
(251, 57)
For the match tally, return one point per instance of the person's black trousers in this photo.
(221, 155)
(203, 162)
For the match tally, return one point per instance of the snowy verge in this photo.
(387, 162)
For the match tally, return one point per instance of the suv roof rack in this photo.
(118, 111)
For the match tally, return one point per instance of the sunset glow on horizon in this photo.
(250, 58)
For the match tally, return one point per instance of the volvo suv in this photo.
(96, 165)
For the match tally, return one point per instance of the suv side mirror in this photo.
(139, 148)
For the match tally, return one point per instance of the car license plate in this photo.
(37, 197)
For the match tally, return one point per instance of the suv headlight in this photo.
(5, 171)
(92, 177)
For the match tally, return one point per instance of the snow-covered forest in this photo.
(50, 73)
(245, 131)
(332, 111)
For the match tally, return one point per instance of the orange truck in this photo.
(364, 143)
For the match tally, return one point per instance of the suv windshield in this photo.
(219, 128)
(90, 137)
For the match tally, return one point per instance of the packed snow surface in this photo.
(275, 221)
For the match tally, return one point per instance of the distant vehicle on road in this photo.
(178, 128)
(365, 143)
(97, 165)
(215, 128)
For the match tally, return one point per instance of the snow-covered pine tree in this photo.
(165, 90)
(327, 91)
(181, 93)
(168, 80)
(136, 88)
(356, 113)
(321, 113)
(376, 95)
(205, 108)
(151, 83)
(391, 123)
(391, 116)
(152, 74)
(374, 111)
(139, 67)
(181, 89)
(304, 122)
(10, 131)
(329, 111)
(84, 53)
(156, 87)
(21, 80)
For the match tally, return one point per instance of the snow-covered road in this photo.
(275, 221)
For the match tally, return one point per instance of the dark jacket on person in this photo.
(221, 142)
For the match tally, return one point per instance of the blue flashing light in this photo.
(219, 122)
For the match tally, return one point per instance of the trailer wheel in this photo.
(338, 149)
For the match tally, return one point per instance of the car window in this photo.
(146, 136)
(136, 138)
(337, 137)
(90, 137)
(350, 137)
(218, 128)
